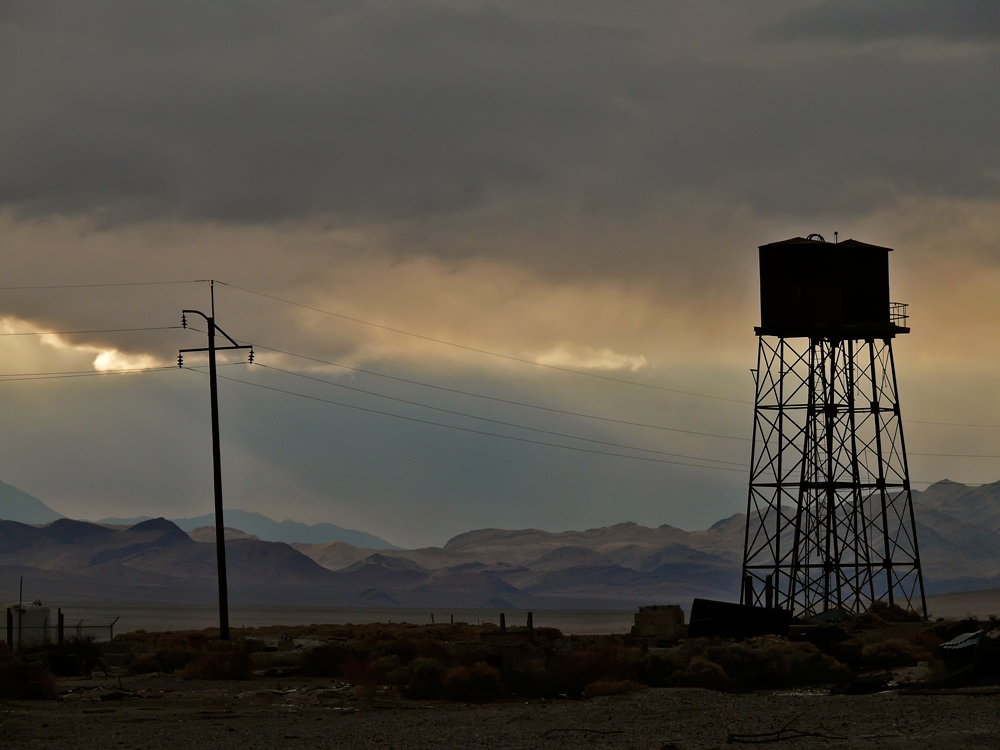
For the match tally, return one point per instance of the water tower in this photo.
(830, 515)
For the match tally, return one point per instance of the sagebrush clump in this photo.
(225, 664)
(20, 680)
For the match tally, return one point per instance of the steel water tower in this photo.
(829, 515)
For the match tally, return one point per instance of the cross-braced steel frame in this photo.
(829, 515)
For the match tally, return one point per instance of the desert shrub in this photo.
(880, 615)
(700, 672)
(894, 613)
(334, 660)
(144, 664)
(477, 683)
(655, 669)
(765, 664)
(776, 663)
(225, 664)
(173, 658)
(409, 648)
(531, 679)
(611, 687)
(424, 678)
(550, 634)
(574, 670)
(928, 640)
(86, 647)
(384, 669)
(893, 653)
(168, 659)
(25, 681)
(755, 664)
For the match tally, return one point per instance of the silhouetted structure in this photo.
(829, 512)
(220, 524)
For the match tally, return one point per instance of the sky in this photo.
(551, 188)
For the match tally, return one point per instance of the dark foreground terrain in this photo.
(885, 679)
(274, 714)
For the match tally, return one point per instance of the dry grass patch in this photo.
(224, 664)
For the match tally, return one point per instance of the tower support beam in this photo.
(829, 508)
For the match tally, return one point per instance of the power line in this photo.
(93, 330)
(954, 455)
(496, 421)
(98, 286)
(484, 351)
(469, 429)
(62, 374)
(953, 424)
(499, 400)
(75, 374)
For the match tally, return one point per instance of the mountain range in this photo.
(614, 567)
(270, 530)
(17, 505)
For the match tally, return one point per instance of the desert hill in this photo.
(614, 567)
(269, 530)
(18, 505)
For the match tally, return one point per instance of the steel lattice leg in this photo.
(829, 509)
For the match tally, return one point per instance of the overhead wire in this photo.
(92, 373)
(483, 351)
(92, 330)
(499, 400)
(13, 377)
(493, 421)
(108, 284)
(523, 404)
(62, 374)
(953, 424)
(515, 438)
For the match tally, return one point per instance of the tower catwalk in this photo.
(829, 515)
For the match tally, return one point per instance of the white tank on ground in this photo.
(31, 624)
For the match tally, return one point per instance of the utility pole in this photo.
(220, 526)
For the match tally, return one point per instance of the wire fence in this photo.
(29, 627)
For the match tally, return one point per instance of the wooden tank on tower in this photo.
(812, 288)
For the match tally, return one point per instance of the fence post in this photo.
(531, 628)
(503, 623)
(59, 628)
(10, 629)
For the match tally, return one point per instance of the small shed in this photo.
(658, 621)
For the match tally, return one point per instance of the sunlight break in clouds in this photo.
(112, 359)
(107, 358)
(588, 358)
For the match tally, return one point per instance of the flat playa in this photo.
(163, 712)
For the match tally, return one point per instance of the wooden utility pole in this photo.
(220, 525)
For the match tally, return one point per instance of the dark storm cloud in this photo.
(159, 109)
(862, 20)
(264, 112)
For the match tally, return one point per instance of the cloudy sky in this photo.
(575, 184)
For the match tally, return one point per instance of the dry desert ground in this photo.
(162, 712)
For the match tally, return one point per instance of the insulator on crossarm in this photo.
(180, 360)
(251, 355)
(184, 320)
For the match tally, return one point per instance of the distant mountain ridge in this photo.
(269, 530)
(612, 567)
(18, 505)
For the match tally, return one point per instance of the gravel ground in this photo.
(286, 714)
